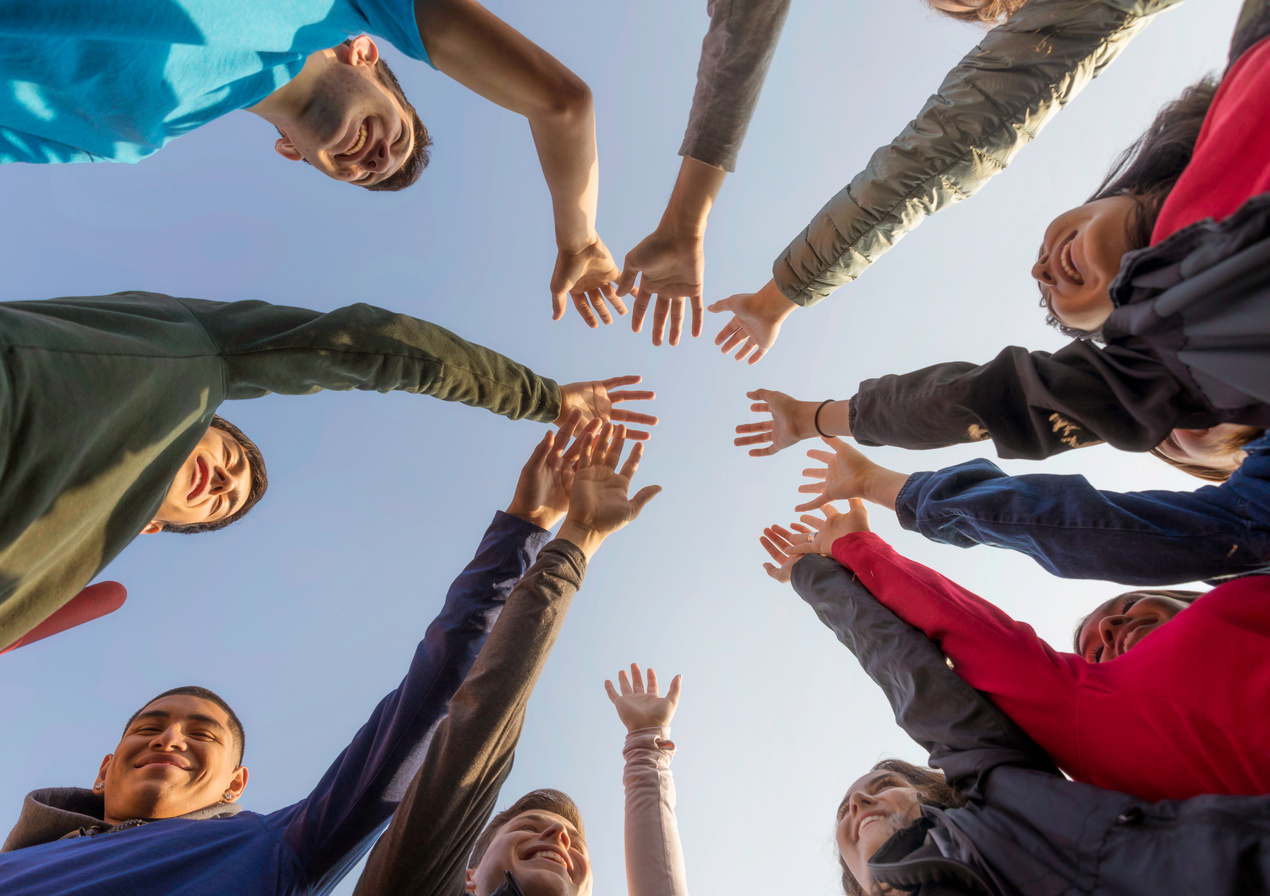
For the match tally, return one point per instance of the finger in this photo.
(626, 282)
(637, 680)
(816, 473)
(579, 302)
(615, 449)
(614, 381)
(799, 527)
(805, 547)
(672, 693)
(737, 337)
(761, 407)
(652, 681)
(641, 308)
(818, 501)
(750, 345)
(557, 301)
(698, 316)
(753, 440)
(754, 358)
(659, 319)
(621, 415)
(774, 571)
(811, 488)
(596, 298)
(765, 426)
(611, 295)
(823, 456)
(728, 330)
(624, 682)
(643, 496)
(763, 395)
(586, 445)
(632, 462)
(540, 452)
(720, 306)
(676, 320)
(773, 551)
(631, 395)
(814, 521)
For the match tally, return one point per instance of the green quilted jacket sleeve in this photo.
(988, 108)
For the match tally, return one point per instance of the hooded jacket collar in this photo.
(62, 813)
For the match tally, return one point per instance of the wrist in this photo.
(691, 200)
(576, 242)
(883, 486)
(772, 303)
(542, 517)
(581, 536)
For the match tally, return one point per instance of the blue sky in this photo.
(306, 613)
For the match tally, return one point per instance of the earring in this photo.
(98, 786)
(229, 796)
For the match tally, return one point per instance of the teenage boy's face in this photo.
(875, 807)
(1079, 259)
(1120, 624)
(543, 850)
(352, 128)
(178, 755)
(212, 484)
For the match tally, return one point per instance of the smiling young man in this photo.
(107, 402)
(162, 68)
(165, 813)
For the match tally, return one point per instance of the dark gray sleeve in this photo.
(735, 55)
(965, 735)
(425, 849)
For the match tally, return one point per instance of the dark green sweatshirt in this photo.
(102, 399)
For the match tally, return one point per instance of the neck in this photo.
(287, 102)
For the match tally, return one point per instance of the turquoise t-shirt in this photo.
(115, 80)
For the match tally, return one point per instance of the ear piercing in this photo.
(98, 786)
(229, 796)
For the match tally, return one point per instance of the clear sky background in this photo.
(307, 612)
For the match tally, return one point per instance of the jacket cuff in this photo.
(652, 740)
(906, 509)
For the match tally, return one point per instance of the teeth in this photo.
(1065, 259)
(361, 138)
(547, 854)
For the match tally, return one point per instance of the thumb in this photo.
(672, 693)
(818, 501)
(721, 305)
(643, 496)
(626, 282)
(557, 302)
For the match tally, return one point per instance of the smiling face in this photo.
(211, 485)
(545, 852)
(178, 755)
(875, 807)
(1079, 259)
(1122, 623)
(347, 124)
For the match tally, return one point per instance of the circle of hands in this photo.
(640, 707)
(670, 269)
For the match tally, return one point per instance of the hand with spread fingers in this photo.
(542, 492)
(586, 275)
(638, 707)
(671, 269)
(755, 324)
(598, 502)
(779, 543)
(849, 474)
(595, 399)
(814, 535)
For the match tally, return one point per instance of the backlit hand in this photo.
(640, 708)
(595, 400)
(586, 275)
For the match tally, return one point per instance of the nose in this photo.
(378, 158)
(859, 802)
(170, 738)
(1108, 627)
(1041, 270)
(558, 832)
(220, 481)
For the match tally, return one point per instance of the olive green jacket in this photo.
(103, 398)
(988, 108)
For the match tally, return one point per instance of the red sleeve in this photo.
(1032, 683)
(91, 603)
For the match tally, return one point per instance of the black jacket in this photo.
(1188, 345)
(1025, 830)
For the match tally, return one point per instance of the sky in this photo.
(306, 613)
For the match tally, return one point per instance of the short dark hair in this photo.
(259, 482)
(193, 690)
(1147, 170)
(932, 788)
(1242, 436)
(545, 800)
(1185, 596)
(412, 166)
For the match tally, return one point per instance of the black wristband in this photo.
(815, 421)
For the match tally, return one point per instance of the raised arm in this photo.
(489, 57)
(654, 855)
(965, 735)
(989, 107)
(1079, 532)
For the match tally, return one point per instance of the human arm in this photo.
(1031, 404)
(1076, 531)
(489, 57)
(965, 734)
(849, 474)
(991, 105)
(654, 855)
(332, 828)
(791, 421)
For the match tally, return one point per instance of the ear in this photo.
(101, 772)
(238, 783)
(151, 527)
(285, 148)
(469, 877)
(360, 50)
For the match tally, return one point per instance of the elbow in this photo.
(567, 101)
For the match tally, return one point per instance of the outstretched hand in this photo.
(598, 502)
(779, 543)
(846, 474)
(586, 275)
(833, 526)
(640, 708)
(595, 400)
(671, 268)
(755, 324)
(784, 429)
(542, 492)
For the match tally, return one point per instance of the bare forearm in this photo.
(565, 139)
(690, 203)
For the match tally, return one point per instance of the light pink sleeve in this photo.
(654, 856)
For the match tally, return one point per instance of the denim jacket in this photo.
(1079, 532)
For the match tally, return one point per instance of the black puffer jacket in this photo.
(1025, 830)
(1188, 345)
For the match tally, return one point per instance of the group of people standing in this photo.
(1136, 763)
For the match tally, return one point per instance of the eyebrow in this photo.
(572, 831)
(163, 714)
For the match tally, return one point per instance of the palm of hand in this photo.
(592, 268)
(644, 711)
(670, 266)
(598, 499)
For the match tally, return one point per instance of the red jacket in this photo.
(1184, 713)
